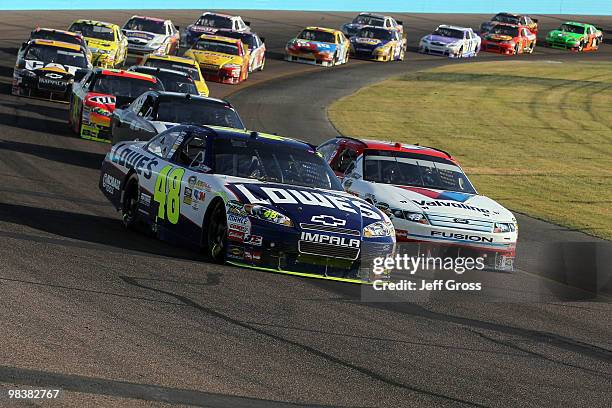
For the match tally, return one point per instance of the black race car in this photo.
(172, 80)
(155, 111)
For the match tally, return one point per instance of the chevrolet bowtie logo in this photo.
(328, 220)
(53, 76)
(461, 221)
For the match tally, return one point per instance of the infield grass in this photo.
(535, 136)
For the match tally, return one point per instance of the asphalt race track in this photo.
(114, 318)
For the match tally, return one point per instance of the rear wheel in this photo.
(216, 233)
(129, 203)
(263, 64)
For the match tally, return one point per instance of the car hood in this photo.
(310, 46)
(498, 37)
(95, 43)
(53, 69)
(368, 42)
(441, 39)
(198, 29)
(309, 205)
(105, 101)
(142, 37)
(351, 27)
(564, 35)
(442, 202)
(215, 58)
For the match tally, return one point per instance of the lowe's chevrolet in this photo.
(247, 198)
(428, 197)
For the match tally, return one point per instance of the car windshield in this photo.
(55, 36)
(505, 18)
(448, 32)
(571, 28)
(246, 38)
(214, 21)
(174, 65)
(57, 55)
(375, 33)
(273, 162)
(217, 46)
(93, 31)
(415, 170)
(368, 20)
(145, 24)
(124, 86)
(316, 35)
(198, 111)
(505, 30)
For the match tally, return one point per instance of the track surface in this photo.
(115, 318)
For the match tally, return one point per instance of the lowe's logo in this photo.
(330, 240)
(328, 220)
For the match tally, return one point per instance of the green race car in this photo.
(575, 37)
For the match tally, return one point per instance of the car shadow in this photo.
(68, 156)
(90, 232)
(35, 124)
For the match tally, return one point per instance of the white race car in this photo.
(427, 196)
(148, 35)
(451, 41)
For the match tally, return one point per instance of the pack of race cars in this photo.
(184, 167)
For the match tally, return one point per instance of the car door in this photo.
(164, 183)
(123, 118)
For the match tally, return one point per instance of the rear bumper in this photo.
(308, 59)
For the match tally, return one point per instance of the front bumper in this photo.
(95, 127)
(31, 88)
(562, 45)
(369, 54)
(504, 49)
(216, 74)
(433, 49)
(308, 58)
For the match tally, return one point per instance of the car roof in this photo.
(124, 74)
(455, 27)
(228, 32)
(59, 44)
(55, 30)
(217, 14)
(375, 15)
(220, 38)
(220, 132)
(181, 95)
(96, 23)
(577, 23)
(172, 58)
(369, 144)
(504, 13)
(508, 25)
(378, 28)
(327, 30)
(161, 20)
(154, 70)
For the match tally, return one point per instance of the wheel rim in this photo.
(130, 206)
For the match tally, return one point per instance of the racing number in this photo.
(167, 193)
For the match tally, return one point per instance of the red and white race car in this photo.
(428, 197)
(509, 39)
(95, 97)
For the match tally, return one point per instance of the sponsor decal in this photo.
(110, 183)
(31, 65)
(235, 235)
(145, 199)
(330, 240)
(439, 195)
(199, 195)
(328, 220)
(103, 100)
(201, 185)
(256, 240)
(235, 207)
(235, 252)
(252, 256)
(237, 219)
(463, 237)
(428, 204)
(237, 227)
(191, 181)
(126, 157)
(315, 199)
(53, 76)
(187, 196)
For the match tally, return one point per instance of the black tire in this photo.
(129, 203)
(216, 233)
(581, 46)
(516, 49)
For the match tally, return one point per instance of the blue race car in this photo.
(249, 199)
(378, 44)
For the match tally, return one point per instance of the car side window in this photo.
(166, 143)
(327, 150)
(148, 105)
(137, 104)
(192, 154)
(346, 158)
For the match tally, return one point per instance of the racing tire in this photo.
(263, 64)
(129, 203)
(402, 55)
(581, 46)
(216, 233)
(517, 49)
(531, 47)
(595, 44)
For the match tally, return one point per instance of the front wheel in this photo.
(581, 46)
(517, 49)
(263, 64)
(129, 203)
(217, 233)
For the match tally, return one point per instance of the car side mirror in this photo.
(24, 44)
(177, 28)
(535, 20)
(248, 23)
(399, 22)
(263, 39)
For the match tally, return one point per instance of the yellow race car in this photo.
(221, 59)
(187, 65)
(105, 40)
